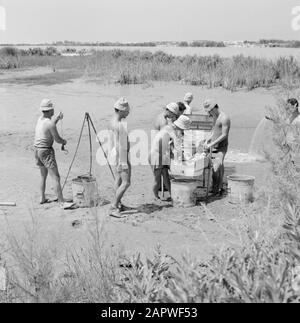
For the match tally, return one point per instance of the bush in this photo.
(9, 51)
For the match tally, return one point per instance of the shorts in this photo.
(45, 157)
(218, 158)
(123, 168)
(159, 167)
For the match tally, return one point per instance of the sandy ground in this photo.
(198, 230)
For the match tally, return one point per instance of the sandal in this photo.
(66, 205)
(46, 201)
(115, 213)
(123, 208)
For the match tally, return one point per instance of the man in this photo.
(182, 108)
(218, 142)
(166, 143)
(45, 135)
(169, 115)
(293, 134)
(121, 155)
(293, 111)
(188, 99)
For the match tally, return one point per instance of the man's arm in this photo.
(225, 133)
(59, 117)
(208, 140)
(55, 134)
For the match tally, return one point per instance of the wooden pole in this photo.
(8, 204)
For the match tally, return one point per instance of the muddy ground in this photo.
(200, 230)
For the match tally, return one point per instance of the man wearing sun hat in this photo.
(170, 113)
(218, 142)
(188, 99)
(120, 155)
(45, 135)
(168, 116)
(166, 143)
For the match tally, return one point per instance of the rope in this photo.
(77, 148)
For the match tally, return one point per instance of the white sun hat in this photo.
(46, 105)
(210, 104)
(188, 97)
(173, 107)
(183, 123)
(122, 105)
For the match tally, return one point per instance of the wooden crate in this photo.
(201, 122)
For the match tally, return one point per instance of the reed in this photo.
(136, 67)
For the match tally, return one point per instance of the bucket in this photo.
(85, 191)
(241, 189)
(184, 193)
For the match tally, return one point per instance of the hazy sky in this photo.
(146, 20)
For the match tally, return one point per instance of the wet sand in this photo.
(176, 230)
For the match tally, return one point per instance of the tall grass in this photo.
(136, 67)
(210, 71)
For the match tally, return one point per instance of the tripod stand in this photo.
(88, 120)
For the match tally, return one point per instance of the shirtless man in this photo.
(45, 135)
(121, 155)
(218, 142)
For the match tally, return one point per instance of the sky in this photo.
(35, 21)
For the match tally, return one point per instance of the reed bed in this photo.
(137, 67)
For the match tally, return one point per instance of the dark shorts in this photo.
(159, 168)
(218, 156)
(45, 158)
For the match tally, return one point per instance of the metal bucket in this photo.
(241, 189)
(85, 191)
(184, 193)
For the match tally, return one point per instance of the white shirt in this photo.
(188, 110)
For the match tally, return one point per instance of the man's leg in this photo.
(44, 175)
(166, 176)
(56, 178)
(118, 183)
(218, 172)
(157, 182)
(222, 172)
(126, 181)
